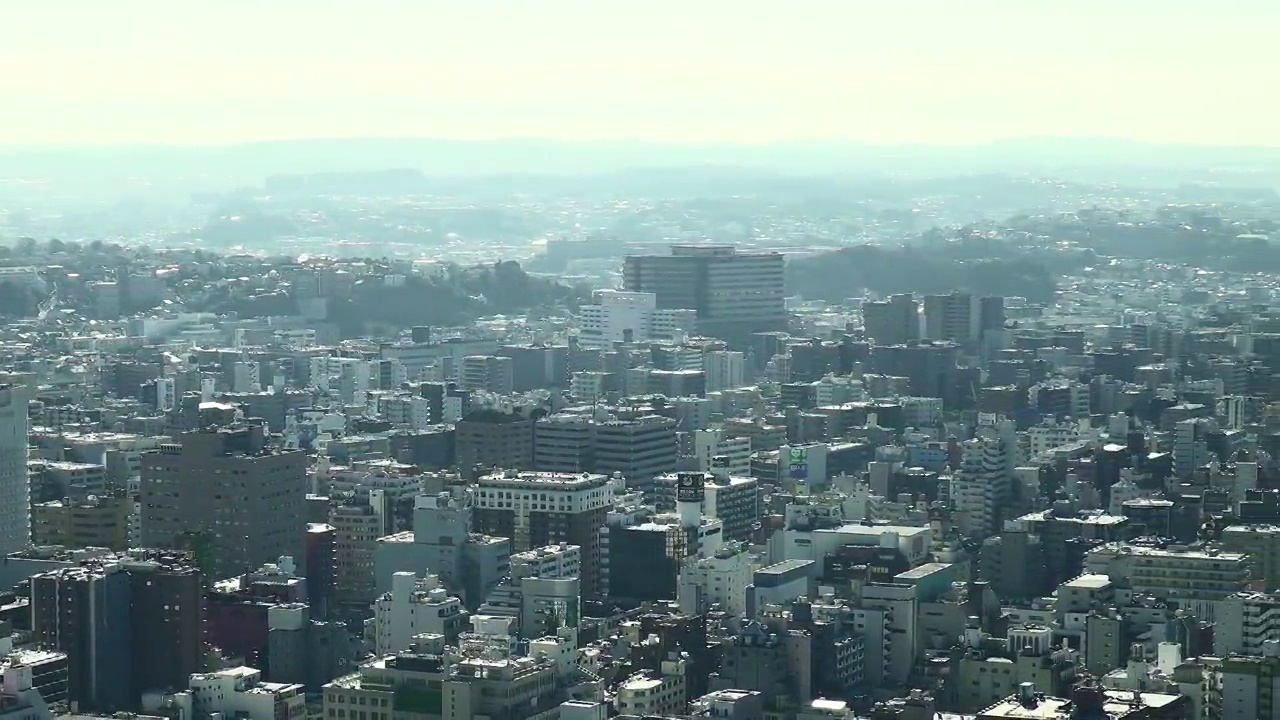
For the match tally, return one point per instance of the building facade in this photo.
(734, 294)
(540, 509)
(228, 496)
(15, 490)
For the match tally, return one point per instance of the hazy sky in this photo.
(888, 71)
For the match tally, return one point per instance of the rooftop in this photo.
(1088, 582)
(1259, 528)
(546, 551)
(1087, 518)
(1148, 502)
(640, 681)
(1042, 707)
(524, 479)
(878, 530)
(1192, 552)
(784, 567)
(923, 570)
(30, 657)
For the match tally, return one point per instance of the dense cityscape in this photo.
(348, 449)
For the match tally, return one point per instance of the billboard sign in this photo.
(689, 487)
(798, 464)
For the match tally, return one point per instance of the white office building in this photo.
(724, 369)
(1050, 435)
(619, 316)
(714, 449)
(719, 579)
(414, 606)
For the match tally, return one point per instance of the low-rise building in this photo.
(240, 692)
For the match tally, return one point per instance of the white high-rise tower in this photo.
(15, 487)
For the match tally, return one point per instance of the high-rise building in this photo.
(715, 449)
(1190, 446)
(724, 369)
(991, 314)
(645, 558)
(721, 578)
(1262, 544)
(981, 488)
(646, 553)
(321, 546)
(735, 294)
(245, 377)
(15, 488)
(538, 509)
(813, 360)
(446, 402)
(1249, 684)
(734, 501)
(301, 649)
(237, 610)
(166, 619)
(84, 612)
(228, 495)
(1247, 621)
(648, 556)
(127, 623)
(389, 373)
(895, 321)
(640, 448)
(952, 317)
(357, 527)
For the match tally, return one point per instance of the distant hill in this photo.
(459, 297)
(468, 293)
(844, 273)
(251, 163)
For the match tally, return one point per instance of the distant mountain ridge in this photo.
(251, 163)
